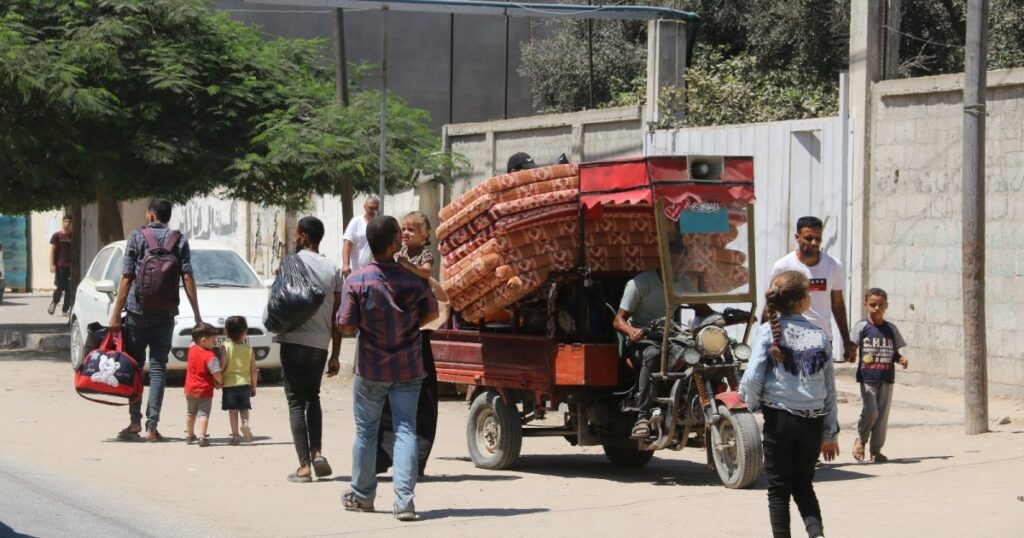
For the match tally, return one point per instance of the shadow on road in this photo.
(658, 472)
(7, 532)
(479, 512)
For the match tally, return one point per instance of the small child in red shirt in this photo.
(202, 375)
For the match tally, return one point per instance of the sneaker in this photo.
(51, 308)
(204, 441)
(247, 433)
(191, 439)
(406, 516)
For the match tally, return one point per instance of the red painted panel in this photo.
(593, 365)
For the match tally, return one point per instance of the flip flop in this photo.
(299, 479)
(128, 435)
(858, 450)
(321, 467)
(352, 503)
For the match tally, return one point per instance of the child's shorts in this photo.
(199, 407)
(235, 398)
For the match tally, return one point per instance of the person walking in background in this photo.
(387, 305)
(304, 355)
(790, 378)
(879, 344)
(60, 266)
(202, 375)
(355, 250)
(156, 259)
(826, 276)
(240, 374)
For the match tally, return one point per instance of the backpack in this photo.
(158, 273)
(109, 371)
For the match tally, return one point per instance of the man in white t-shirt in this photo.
(827, 278)
(355, 250)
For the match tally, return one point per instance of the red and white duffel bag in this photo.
(109, 371)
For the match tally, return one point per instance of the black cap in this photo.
(520, 161)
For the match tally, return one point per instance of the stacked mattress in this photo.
(501, 240)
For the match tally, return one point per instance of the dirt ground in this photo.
(939, 482)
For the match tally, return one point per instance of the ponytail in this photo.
(786, 292)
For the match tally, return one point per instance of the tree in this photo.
(121, 99)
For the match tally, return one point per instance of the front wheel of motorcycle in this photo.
(736, 448)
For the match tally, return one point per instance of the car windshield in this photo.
(222, 268)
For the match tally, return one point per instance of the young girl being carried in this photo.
(790, 378)
(239, 369)
(414, 255)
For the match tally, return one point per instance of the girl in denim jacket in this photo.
(790, 378)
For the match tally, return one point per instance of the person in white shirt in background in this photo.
(827, 278)
(355, 250)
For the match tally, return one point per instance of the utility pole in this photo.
(975, 346)
(892, 39)
(341, 89)
(383, 162)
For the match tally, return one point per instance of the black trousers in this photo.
(646, 359)
(791, 448)
(426, 417)
(303, 370)
(62, 281)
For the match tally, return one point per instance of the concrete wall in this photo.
(914, 240)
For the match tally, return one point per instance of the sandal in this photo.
(299, 479)
(204, 441)
(236, 440)
(321, 467)
(353, 504)
(641, 429)
(858, 449)
(128, 434)
(191, 439)
(247, 433)
(879, 458)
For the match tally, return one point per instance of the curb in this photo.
(14, 339)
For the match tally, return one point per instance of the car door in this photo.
(113, 274)
(94, 305)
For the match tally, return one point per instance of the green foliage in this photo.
(558, 66)
(165, 97)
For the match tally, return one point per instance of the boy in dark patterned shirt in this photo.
(386, 304)
(879, 342)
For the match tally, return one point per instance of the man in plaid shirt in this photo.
(386, 304)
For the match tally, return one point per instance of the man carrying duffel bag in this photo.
(155, 260)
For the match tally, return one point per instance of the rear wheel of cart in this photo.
(494, 431)
(622, 455)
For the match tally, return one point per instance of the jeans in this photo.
(153, 332)
(303, 370)
(791, 448)
(62, 281)
(368, 403)
(426, 418)
(874, 416)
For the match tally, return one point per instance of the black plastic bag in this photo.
(96, 334)
(294, 297)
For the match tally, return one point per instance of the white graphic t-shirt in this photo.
(826, 276)
(361, 254)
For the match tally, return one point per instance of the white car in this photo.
(225, 283)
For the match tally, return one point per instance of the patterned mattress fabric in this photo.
(537, 248)
(625, 222)
(505, 294)
(621, 238)
(509, 181)
(466, 215)
(532, 189)
(567, 212)
(622, 251)
(623, 264)
(522, 205)
(479, 268)
(538, 233)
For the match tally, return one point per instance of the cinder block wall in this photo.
(914, 235)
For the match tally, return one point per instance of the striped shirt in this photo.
(385, 301)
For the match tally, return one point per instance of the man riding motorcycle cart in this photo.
(564, 348)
